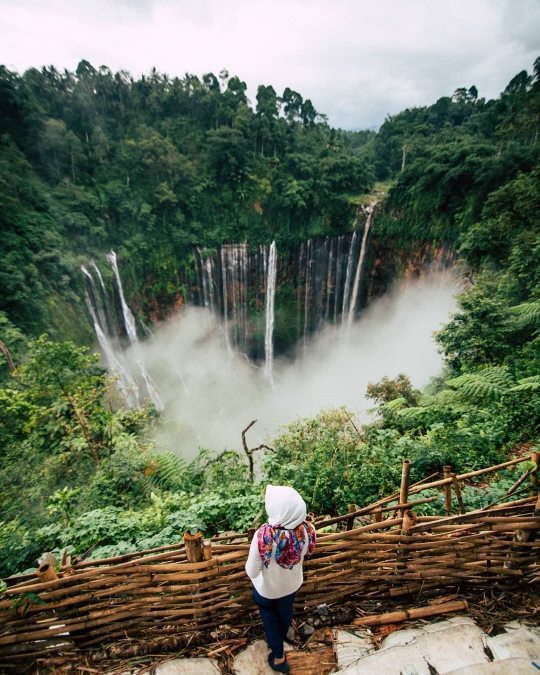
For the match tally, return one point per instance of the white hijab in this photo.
(284, 506)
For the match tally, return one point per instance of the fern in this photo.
(397, 403)
(491, 383)
(526, 314)
(480, 388)
(412, 412)
(166, 471)
(528, 384)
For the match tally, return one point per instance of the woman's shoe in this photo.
(278, 667)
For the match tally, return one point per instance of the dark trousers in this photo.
(276, 615)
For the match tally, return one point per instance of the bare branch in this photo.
(249, 453)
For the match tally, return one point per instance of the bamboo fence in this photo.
(199, 584)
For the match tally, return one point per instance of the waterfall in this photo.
(338, 275)
(106, 300)
(307, 284)
(131, 330)
(329, 280)
(348, 276)
(114, 362)
(224, 284)
(271, 274)
(129, 319)
(359, 267)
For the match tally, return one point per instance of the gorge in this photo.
(203, 365)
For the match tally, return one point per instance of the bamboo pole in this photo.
(415, 613)
(466, 476)
(350, 520)
(409, 519)
(374, 509)
(46, 572)
(448, 490)
(459, 496)
(193, 547)
(535, 457)
(405, 480)
(207, 549)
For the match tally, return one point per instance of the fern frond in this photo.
(527, 314)
(412, 412)
(497, 375)
(459, 381)
(167, 471)
(533, 379)
(397, 403)
(528, 384)
(480, 388)
(490, 383)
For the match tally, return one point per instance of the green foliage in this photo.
(92, 158)
(387, 390)
(332, 466)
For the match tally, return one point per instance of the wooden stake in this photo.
(405, 480)
(207, 549)
(46, 573)
(350, 521)
(448, 490)
(459, 496)
(409, 519)
(535, 456)
(193, 547)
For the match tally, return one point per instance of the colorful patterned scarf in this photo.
(289, 543)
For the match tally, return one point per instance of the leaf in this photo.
(491, 383)
(527, 314)
(397, 403)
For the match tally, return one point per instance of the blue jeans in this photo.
(276, 615)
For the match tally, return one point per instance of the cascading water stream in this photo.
(225, 310)
(359, 268)
(131, 330)
(348, 278)
(106, 300)
(114, 362)
(129, 319)
(271, 275)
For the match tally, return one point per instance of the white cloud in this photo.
(356, 60)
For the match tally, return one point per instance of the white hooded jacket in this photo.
(286, 508)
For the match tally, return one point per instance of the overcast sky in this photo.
(357, 60)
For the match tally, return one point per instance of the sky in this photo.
(357, 60)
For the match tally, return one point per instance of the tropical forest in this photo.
(174, 254)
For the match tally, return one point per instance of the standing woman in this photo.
(274, 565)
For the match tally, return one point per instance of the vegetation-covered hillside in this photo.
(153, 167)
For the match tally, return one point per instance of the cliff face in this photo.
(389, 263)
(325, 280)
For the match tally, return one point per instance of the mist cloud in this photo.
(211, 396)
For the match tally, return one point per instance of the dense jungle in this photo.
(159, 168)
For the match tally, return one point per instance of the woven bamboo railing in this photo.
(98, 601)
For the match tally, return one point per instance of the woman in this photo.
(274, 565)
